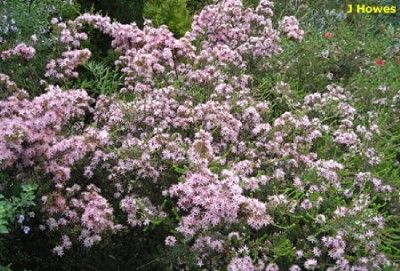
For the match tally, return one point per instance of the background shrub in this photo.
(347, 57)
(173, 13)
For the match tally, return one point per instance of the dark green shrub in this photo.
(124, 11)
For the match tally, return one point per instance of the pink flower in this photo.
(310, 264)
(240, 264)
(59, 251)
(170, 241)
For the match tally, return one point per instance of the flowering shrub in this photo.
(187, 143)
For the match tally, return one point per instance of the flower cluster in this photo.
(21, 50)
(290, 26)
(65, 66)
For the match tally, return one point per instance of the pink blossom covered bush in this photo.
(235, 174)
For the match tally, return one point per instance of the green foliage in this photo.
(100, 79)
(283, 250)
(5, 268)
(172, 13)
(16, 205)
(171, 258)
(195, 6)
(4, 210)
